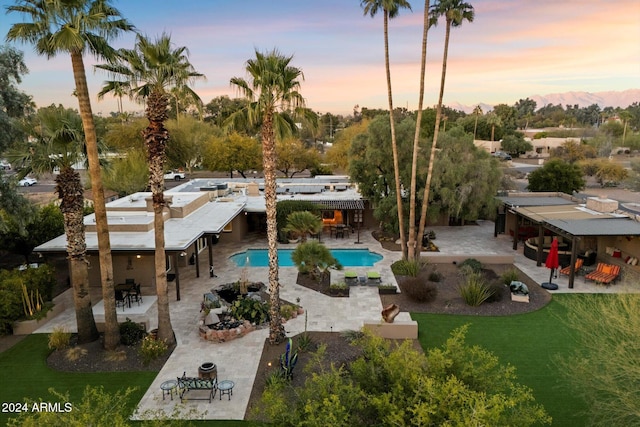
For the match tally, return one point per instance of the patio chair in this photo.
(373, 278)
(135, 294)
(567, 270)
(122, 299)
(351, 278)
(604, 273)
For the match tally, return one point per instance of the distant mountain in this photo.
(613, 99)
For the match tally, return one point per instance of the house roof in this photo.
(195, 210)
(598, 227)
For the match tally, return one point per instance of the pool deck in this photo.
(238, 360)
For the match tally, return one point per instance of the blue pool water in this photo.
(346, 257)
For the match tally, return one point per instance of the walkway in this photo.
(238, 360)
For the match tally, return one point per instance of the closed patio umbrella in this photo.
(552, 263)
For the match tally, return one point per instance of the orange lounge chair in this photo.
(567, 270)
(604, 273)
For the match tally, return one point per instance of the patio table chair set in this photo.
(128, 292)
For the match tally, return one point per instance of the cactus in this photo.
(31, 303)
(288, 361)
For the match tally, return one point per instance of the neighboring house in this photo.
(583, 226)
(199, 213)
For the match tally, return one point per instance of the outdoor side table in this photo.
(226, 387)
(168, 387)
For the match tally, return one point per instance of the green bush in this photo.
(419, 291)
(151, 349)
(314, 258)
(470, 265)
(131, 333)
(405, 267)
(509, 276)
(435, 276)
(59, 339)
(256, 312)
(475, 290)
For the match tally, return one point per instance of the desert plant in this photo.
(151, 349)
(406, 267)
(288, 361)
(115, 356)
(470, 265)
(419, 291)
(314, 258)
(475, 290)
(352, 335)
(435, 276)
(304, 340)
(302, 223)
(287, 311)
(59, 339)
(32, 303)
(131, 332)
(256, 312)
(497, 289)
(509, 276)
(75, 353)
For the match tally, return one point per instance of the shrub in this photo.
(75, 353)
(314, 258)
(475, 291)
(151, 349)
(131, 332)
(497, 292)
(418, 290)
(509, 276)
(304, 342)
(470, 264)
(435, 276)
(255, 311)
(286, 311)
(406, 267)
(59, 339)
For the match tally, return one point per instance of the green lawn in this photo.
(25, 374)
(529, 342)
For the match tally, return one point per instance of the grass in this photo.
(527, 341)
(25, 374)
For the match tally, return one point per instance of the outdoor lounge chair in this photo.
(567, 270)
(351, 278)
(604, 273)
(373, 278)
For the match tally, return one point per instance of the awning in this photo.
(598, 227)
(340, 204)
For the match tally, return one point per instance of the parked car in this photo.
(27, 181)
(502, 155)
(175, 175)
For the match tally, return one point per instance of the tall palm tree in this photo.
(413, 238)
(455, 13)
(76, 27)
(58, 142)
(390, 9)
(272, 92)
(477, 111)
(151, 69)
(494, 120)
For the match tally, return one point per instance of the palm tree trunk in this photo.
(69, 189)
(276, 329)
(475, 127)
(111, 327)
(432, 157)
(156, 137)
(394, 146)
(413, 238)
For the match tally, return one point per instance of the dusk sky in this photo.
(513, 49)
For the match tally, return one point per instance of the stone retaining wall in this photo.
(225, 335)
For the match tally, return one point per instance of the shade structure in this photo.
(552, 263)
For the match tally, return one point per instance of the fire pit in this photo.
(208, 370)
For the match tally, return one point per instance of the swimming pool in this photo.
(346, 257)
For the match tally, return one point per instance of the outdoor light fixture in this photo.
(138, 256)
(183, 254)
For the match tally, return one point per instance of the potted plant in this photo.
(339, 289)
(387, 289)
